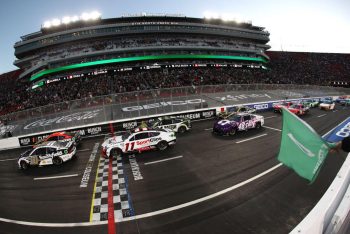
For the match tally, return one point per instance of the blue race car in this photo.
(239, 122)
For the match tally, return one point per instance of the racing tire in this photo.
(24, 165)
(181, 130)
(115, 153)
(258, 125)
(232, 132)
(162, 145)
(57, 161)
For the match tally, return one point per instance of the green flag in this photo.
(302, 149)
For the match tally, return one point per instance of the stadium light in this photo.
(56, 22)
(74, 18)
(47, 24)
(85, 16)
(95, 15)
(66, 20)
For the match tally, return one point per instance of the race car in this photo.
(141, 139)
(311, 103)
(277, 107)
(61, 136)
(178, 125)
(235, 110)
(298, 109)
(47, 153)
(239, 122)
(327, 105)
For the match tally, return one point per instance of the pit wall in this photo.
(330, 215)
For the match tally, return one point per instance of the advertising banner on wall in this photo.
(117, 126)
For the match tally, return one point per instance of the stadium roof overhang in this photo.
(144, 58)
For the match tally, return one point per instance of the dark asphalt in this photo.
(274, 203)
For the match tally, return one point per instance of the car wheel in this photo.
(115, 153)
(24, 165)
(181, 129)
(57, 161)
(232, 132)
(162, 145)
(258, 125)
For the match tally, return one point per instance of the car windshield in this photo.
(328, 102)
(125, 135)
(236, 118)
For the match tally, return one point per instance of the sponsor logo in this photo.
(6, 128)
(162, 104)
(242, 97)
(135, 168)
(86, 176)
(95, 130)
(190, 116)
(344, 131)
(130, 125)
(25, 141)
(143, 142)
(208, 114)
(64, 119)
(261, 106)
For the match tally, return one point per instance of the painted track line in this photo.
(269, 117)
(208, 129)
(82, 150)
(163, 160)
(8, 159)
(276, 129)
(150, 214)
(321, 115)
(252, 138)
(54, 177)
(94, 191)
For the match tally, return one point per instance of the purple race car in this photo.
(239, 122)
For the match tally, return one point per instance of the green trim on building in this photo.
(142, 58)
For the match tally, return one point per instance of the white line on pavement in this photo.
(252, 138)
(8, 159)
(82, 150)
(163, 160)
(54, 177)
(207, 129)
(335, 110)
(321, 115)
(269, 117)
(272, 128)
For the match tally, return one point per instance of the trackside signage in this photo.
(340, 132)
(162, 104)
(120, 126)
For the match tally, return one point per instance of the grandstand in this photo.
(81, 46)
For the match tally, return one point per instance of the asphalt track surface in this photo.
(200, 164)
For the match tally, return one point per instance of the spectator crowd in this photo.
(284, 68)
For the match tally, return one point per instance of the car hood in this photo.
(112, 140)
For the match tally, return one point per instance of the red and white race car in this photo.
(277, 107)
(298, 109)
(141, 139)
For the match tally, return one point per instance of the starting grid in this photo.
(121, 197)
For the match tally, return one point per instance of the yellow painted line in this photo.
(93, 194)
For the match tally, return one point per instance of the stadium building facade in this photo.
(100, 46)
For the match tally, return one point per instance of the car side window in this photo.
(51, 150)
(61, 138)
(142, 135)
(167, 121)
(132, 138)
(154, 134)
(39, 152)
(53, 138)
(246, 117)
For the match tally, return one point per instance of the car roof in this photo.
(51, 144)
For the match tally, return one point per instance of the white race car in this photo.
(327, 105)
(141, 139)
(178, 125)
(47, 153)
